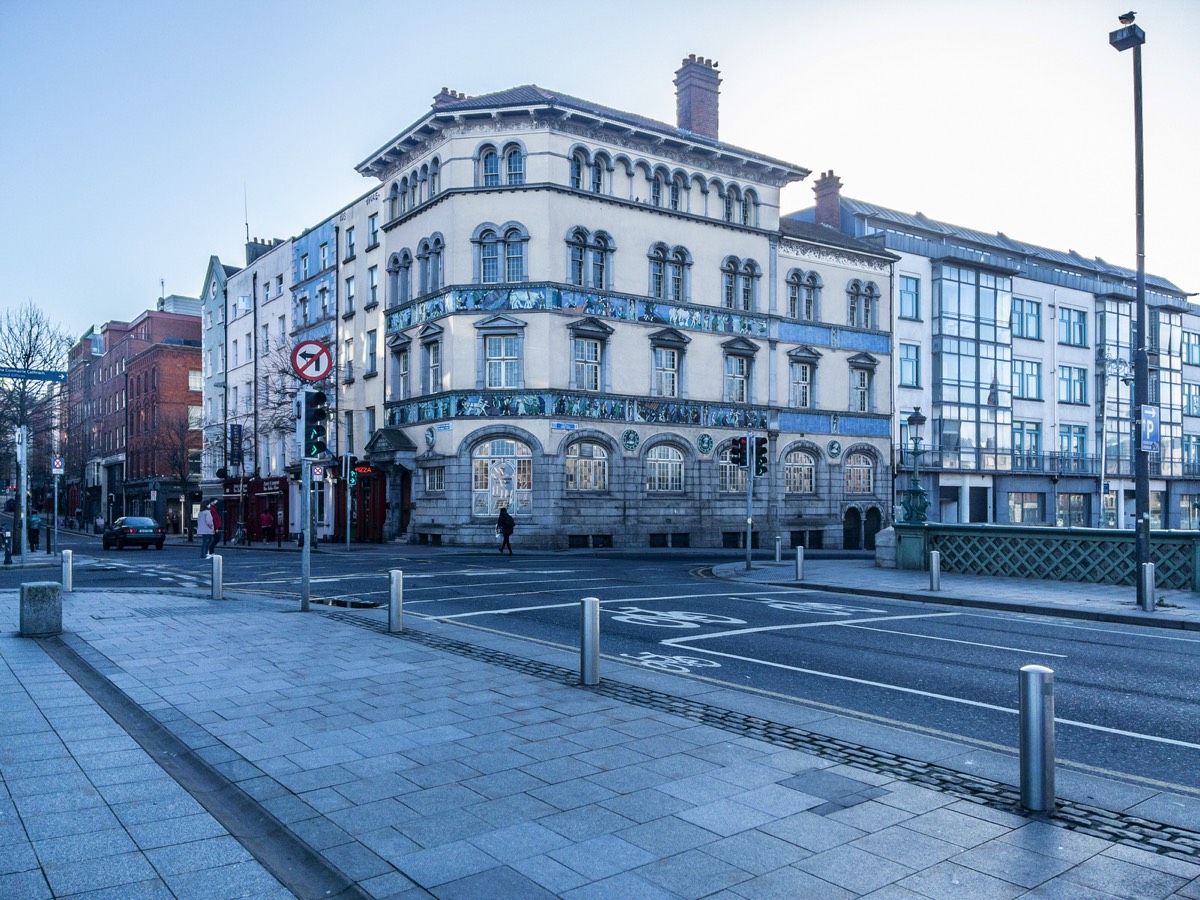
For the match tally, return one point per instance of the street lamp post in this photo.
(1130, 36)
(915, 501)
(1111, 365)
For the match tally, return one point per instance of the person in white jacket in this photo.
(204, 528)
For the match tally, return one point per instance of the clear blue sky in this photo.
(136, 133)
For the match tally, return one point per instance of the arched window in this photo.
(860, 474)
(435, 169)
(658, 271)
(578, 164)
(576, 256)
(601, 249)
(862, 301)
(656, 190)
(730, 478)
(489, 167)
(676, 272)
(395, 201)
(436, 247)
(599, 170)
(739, 283)
(489, 270)
(500, 256)
(414, 190)
(514, 256)
(514, 165)
(501, 475)
(400, 278)
(729, 273)
(728, 199)
(799, 473)
(675, 196)
(587, 467)
(664, 469)
(424, 254)
(749, 208)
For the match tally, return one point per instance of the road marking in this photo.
(1114, 629)
(572, 604)
(682, 642)
(795, 625)
(930, 637)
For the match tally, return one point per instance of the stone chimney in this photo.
(446, 96)
(256, 247)
(697, 84)
(828, 189)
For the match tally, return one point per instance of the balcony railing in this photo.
(1011, 461)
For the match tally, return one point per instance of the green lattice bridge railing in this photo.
(1095, 555)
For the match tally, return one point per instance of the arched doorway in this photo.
(852, 530)
(873, 522)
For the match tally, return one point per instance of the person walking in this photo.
(504, 526)
(34, 529)
(218, 526)
(204, 528)
(266, 523)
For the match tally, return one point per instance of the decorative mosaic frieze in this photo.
(558, 404)
(589, 303)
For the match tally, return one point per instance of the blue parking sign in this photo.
(1150, 429)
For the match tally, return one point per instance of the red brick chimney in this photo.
(697, 84)
(828, 189)
(445, 96)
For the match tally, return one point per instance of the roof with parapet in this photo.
(823, 234)
(921, 226)
(526, 98)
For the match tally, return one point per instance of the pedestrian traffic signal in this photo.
(760, 456)
(314, 413)
(737, 452)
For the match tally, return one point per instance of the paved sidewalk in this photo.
(356, 763)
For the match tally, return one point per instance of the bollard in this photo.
(41, 609)
(1037, 737)
(935, 570)
(799, 563)
(395, 601)
(1148, 587)
(589, 641)
(67, 575)
(218, 587)
(778, 548)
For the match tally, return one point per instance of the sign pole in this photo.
(305, 534)
(749, 497)
(21, 529)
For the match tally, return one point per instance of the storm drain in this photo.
(1121, 828)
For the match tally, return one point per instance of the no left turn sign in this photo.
(311, 360)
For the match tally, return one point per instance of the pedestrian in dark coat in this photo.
(504, 526)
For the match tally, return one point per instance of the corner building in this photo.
(582, 308)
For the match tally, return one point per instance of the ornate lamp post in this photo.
(915, 501)
(1130, 36)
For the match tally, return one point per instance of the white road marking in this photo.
(574, 604)
(795, 625)
(1114, 629)
(930, 637)
(682, 643)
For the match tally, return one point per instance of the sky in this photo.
(140, 137)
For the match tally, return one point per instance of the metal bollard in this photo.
(68, 577)
(778, 548)
(395, 601)
(1037, 737)
(589, 641)
(1148, 587)
(799, 563)
(935, 570)
(218, 578)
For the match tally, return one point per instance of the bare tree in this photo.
(176, 443)
(30, 342)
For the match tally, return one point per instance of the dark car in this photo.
(134, 531)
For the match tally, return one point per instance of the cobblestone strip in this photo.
(1118, 827)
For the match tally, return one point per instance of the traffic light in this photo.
(352, 471)
(737, 452)
(314, 414)
(760, 456)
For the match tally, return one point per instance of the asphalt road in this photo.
(1127, 699)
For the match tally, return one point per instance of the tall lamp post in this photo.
(1111, 365)
(1130, 36)
(915, 501)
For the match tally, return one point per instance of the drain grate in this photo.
(1122, 828)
